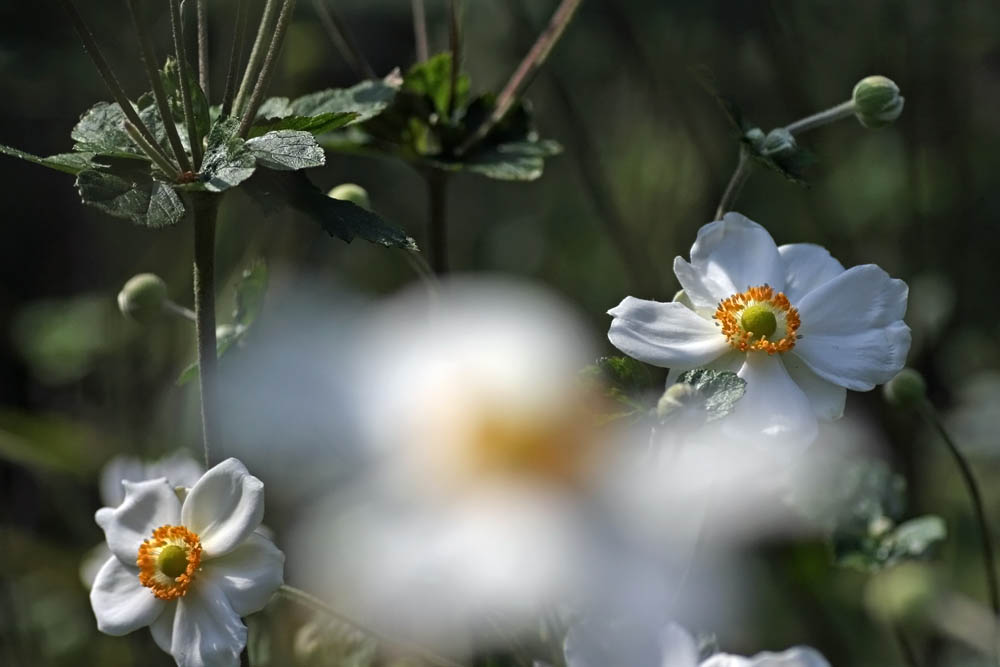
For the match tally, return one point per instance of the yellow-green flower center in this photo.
(172, 561)
(759, 320)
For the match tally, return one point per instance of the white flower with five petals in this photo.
(790, 320)
(189, 569)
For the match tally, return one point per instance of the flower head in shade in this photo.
(790, 320)
(189, 569)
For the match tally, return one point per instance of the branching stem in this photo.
(822, 118)
(204, 210)
(194, 138)
(341, 38)
(739, 177)
(257, 54)
(235, 54)
(203, 68)
(267, 70)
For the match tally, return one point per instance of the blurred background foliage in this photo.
(647, 155)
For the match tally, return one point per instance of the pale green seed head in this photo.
(172, 561)
(142, 297)
(759, 320)
(351, 192)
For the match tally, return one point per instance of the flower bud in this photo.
(143, 297)
(877, 101)
(906, 390)
(352, 192)
(778, 142)
(904, 593)
(679, 399)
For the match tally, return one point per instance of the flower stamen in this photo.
(168, 561)
(759, 319)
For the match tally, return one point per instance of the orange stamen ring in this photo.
(152, 576)
(730, 312)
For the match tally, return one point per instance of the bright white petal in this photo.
(858, 361)
(665, 334)
(726, 660)
(162, 628)
(249, 574)
(121, 604)
(147, 506)
(704, 291)
(799, 656)
(679, 649)
(861, 298)
(774, 410)
(827, 398)
(207, 632)
(119, 468)
(807, 266)
(735, 253)
(224, 507)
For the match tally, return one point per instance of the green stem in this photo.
(455, 40)
(905, 647)
(239, 37)
(437, 190)
(314, 603)
(822, 118)
(203, 69)
(204, 210)
(736, 182)
(989, 559)
(341, 38)
(257, 54)
(267, 70)
(185, 80)
(156, 156)
(420, 30)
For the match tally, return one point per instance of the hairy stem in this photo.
(739, 177)
(203, 69)
(194, 138)
(420, 30)
(341, 38)
(257, 54)
(204, 210)
(822, 118)
(159, 94)
(235, 54)
(156, 156)
(267, 70)
(526, 70)
(437, 191)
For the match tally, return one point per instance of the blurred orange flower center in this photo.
(168, 561)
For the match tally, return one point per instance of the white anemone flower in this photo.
(673, 647)
(790, 320)
(188, 569)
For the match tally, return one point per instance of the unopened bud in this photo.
(352, 192)
(143, 297)
(906, 390)
(877, 101)
(778, 142)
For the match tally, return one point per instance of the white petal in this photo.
(121, 604)
(733, 254)
(147, 506)
(207, 632)
(726, 660)
(162, 628)
(858, 361)
(773, 411)
(861, 298)
(92, 563)
(249, 574)
(224, 507)
(114, 472)
(665, 334)
(807, 266)
(679, 649)
(827, 399)
(704, 291)
(799, 656)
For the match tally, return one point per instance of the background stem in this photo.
(257, 54)
(185, 79)
(736, 182)
(437, 190)
(203, 69)
(822, 118)
(267, 70)
(420, 30)
(341, 38)
(204, 209)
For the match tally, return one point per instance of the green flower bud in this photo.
(143, 297)
(352, 192)
(678, 400)
(877, 101)
(778, 142)
(906, 390)
(755, 136)
(905, 593)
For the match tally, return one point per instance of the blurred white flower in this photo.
(188, 569)
(790, 320)
(178, 468)
(672, 646)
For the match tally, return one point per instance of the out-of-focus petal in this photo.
(827, 398)
(774, 410)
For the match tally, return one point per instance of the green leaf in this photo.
(433, 79)
(321, 124)
(49, 443)
(68, 163)
(911, 540)
(250, 291)
(366, 100)
(516, 161)
(228, 161)
(131, 195)
(719, 389)
(171, 77)
(101, 129)
(287, 150)
(274, 190)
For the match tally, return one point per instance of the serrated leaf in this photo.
(228, 161)
(101, 129)
(518, 161)
(433, 79)
(250, 291)
(68, 163)
(366, 99)
(287, 150)
(130, 195)
(274, 190)
(321, 124)
(719, 389)
(911, 540)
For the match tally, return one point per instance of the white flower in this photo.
(790, 320)
(189, 570)
(673, 647)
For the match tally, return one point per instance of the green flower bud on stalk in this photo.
(352, 192)
(778, 142)
(877, 101)
(143, 298)
(906, 390)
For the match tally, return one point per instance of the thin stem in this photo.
(159, 94)
(203, 69)
(739, 177)
(437, 191)
(239, 37)
(257, 54)
(314, 603)
(267, 70)
(185, 80)
(156, 156)
(341, 38)
(204, 209)
(152, 149)
(526, 70)
(905, 647)
(420, 30)
(989, 559)
(822, 118)
(180, 311)
(455, 41)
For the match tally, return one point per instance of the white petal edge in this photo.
(224, 507)
(726, 660)
(857, 361)
(827, 399)
(678, 647)
(861, 298)
(665, 334)
(774, 412)
(207, 632)
(807, 266)
(735, 253)
(162, 628)
(249, 574)
(147, 506)
(798, 656)
(121, 604)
